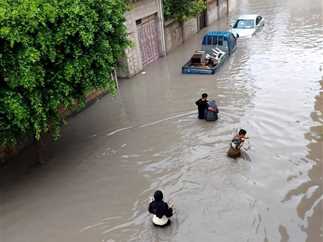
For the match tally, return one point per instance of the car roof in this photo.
(248, 16)
(218, 33)
(225, 35)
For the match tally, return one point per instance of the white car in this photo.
(247, 25)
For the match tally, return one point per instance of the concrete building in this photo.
(145, 26)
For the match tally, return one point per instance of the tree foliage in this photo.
(52, 53)
(183, 9)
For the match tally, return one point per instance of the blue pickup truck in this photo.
(216, 48)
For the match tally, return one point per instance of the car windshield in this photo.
(244, 24)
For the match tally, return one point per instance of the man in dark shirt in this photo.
(161, 211)
(202, 105)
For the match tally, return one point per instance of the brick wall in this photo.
(190, 28)
(222, 8)
(173, 35)
(218, 9)
(232, 5)
(176, 33)
(212, 12)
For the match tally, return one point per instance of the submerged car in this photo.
(216, 48)
(247, 25)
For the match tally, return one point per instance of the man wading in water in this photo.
(202, 106)
(160, 210)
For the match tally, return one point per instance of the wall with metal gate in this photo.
(145, 27)
(148, 38)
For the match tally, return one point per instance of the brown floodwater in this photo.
(100, 175)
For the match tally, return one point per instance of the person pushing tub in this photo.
(207, 110)
(237, 143)
(202, 105)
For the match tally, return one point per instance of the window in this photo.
(220, 40)
(215, 40)
(244, 24)
(209, 40)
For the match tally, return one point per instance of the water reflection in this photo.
(310, 206)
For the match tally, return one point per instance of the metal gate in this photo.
(148, 39)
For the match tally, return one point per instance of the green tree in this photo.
(52, 53)
(183, 9)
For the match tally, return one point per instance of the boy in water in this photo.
(238, 139)
(202, 106)
(160, 210)
(236, 144)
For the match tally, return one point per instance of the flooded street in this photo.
(100, 176)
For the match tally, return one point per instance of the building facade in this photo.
(145, 27)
